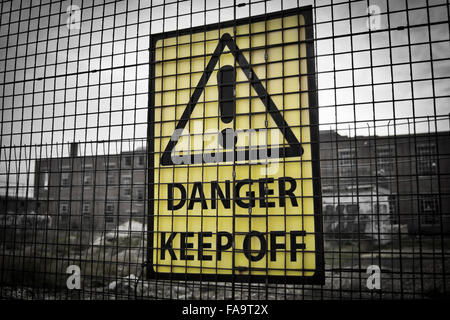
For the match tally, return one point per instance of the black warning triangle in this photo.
(294, 149)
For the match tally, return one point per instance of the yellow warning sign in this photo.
(234, 168)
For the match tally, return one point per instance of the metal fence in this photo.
(92, 96)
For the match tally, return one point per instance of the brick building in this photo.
(414, 169)
(92, 192)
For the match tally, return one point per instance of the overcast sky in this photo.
(36, 93)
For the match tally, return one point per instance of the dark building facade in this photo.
(19, 205)
(413, 169)
(92, 192)
(406, 178)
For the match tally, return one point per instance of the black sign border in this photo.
(319, 274)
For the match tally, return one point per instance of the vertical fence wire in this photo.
(90, 95)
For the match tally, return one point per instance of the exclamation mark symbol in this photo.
(226, 81)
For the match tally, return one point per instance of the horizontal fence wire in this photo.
(93, 205)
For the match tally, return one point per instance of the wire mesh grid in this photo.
(92, 96)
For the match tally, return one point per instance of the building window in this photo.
(127, 191)
(112, 164)
(429, 208)
(128, 161)
(88, 164)
(385, 159)
(45, 180)
(346, 157)
(64, 211)
(65, 179)
(141, 161)
(111, 178)
(126, 181)
(87, 178)
(426, 158)
(346, 160)
(140, 194)
(64, 208)
(109, 212)
(86, 209)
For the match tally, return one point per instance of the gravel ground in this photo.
(338, 285)
(405, 274)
